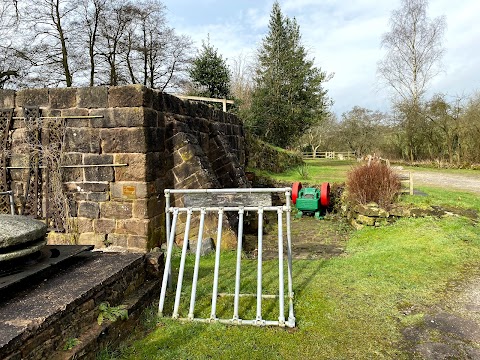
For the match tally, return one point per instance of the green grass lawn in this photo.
(353, 306)
(349, 307)
(319, 171)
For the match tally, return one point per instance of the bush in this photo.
(374, 182)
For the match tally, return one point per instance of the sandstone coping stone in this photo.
(32, 97)
(17, 229)
(63, 98)
(93, 97)
(7, 99)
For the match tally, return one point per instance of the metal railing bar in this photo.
(291, 316)
(236, 300)
(281, 291)
(259, 264)
(182, 266)
(167, 265)
(228, 208)
(197, 265)
(213, 313)
(226, 191)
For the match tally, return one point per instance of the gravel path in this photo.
(452, 181)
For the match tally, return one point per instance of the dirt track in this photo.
(452, 181)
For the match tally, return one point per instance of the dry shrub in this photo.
(373, 182)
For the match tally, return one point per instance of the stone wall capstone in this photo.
(165, 142)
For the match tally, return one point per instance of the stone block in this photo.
(93, 97)
(88, 209)
(116, 210)
(104, 226)
(136, 242)
(71, 121)
(98, 173)
(63, 98)
(207, 246)
(98, 196)
(117, 240)
(132, 190)
(7, 99)
(54, 238)
(87, 187)
(92, 239)
(32, 97)
(123, 140)
(146, 208)
(119, 117)
(136, 169)
(84, 225)
(132, 227)
(83, 140)
(130, 96)
(365, 220)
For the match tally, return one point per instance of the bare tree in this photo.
(414, 51)
(89, 17)
(8, 25)
(49, 41)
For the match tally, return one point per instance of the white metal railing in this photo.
(171, 224)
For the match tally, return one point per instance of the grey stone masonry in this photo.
(163, 141)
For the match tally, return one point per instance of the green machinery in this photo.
(310, 201)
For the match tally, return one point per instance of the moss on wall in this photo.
(263, 156)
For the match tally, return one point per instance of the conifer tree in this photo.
(210, 73)
(289, 96)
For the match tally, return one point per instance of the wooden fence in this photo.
(339, 155)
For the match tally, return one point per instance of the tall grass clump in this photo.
(372, 182)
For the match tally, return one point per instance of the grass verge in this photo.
(348, 307)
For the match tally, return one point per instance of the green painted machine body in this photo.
(308, 200)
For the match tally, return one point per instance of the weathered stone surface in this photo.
(130, 96)
(100, 173)
(136, 169)
(98, 240)
(116, 210)
(117, 240)
(63, 98)
(88, 209)
(366, 220)
(7, 99)
(104, 226)
(123, 140)
(132, 190)
(132, 226)
(207, 246)
(32, 97)
(32, 248)
(84, 225)
(93, 97)
(399, 211)
(82, 140)
(146, 208)
(137, 242)
(16, 230)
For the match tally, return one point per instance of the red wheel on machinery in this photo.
(295, 190)
(325, 194)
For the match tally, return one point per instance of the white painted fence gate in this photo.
(221, 201)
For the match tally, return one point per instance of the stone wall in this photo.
(166, 142)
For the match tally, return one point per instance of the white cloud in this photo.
(342, 35)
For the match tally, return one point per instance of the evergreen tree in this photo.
(210, 73)
(289, 96)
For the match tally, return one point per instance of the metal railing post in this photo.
(197, 265)
(217, 266)
(238, 265)
(182, 265)
(281, 291)
(259, 264)
(167, 264)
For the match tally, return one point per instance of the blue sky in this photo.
(342, 35)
